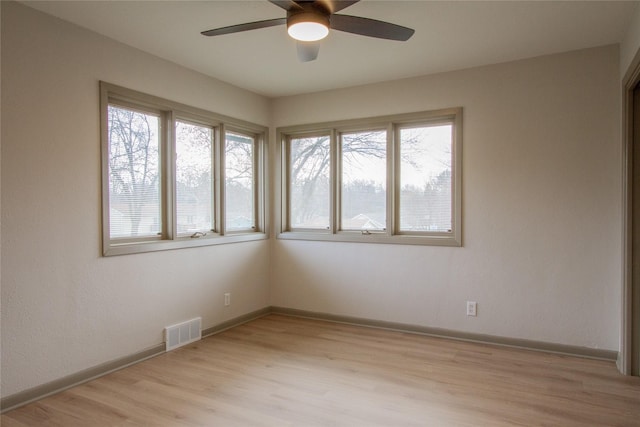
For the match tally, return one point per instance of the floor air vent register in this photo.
(183, 333)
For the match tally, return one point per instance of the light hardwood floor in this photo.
(286, 371)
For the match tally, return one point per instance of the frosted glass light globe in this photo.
(308, 31)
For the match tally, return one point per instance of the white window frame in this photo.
(392, 233)
(170, 112)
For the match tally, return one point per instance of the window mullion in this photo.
(258, 182)
(285, 184)
(456, 189)
(218, 188)
(105, 154)
(169, 176)
(392, 180)
(335, 181)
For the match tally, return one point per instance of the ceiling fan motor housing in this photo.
(308, 13)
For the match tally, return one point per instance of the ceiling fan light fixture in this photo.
(309, 21)
(307, 26)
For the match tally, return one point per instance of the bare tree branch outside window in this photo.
(134, 187)
(239, 182)
(364, 180)
(426, 180)
(363, 190)
(194, 178)
(309, 182)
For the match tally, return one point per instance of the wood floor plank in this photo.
(287, 371)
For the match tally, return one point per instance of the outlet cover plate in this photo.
(472, 308)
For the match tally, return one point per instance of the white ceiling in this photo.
(449, 35)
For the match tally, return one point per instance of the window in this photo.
(309, 182)
(239, 181)
(389, 179)
(134, 172)
(425, 178)
(194, 178)
(363, 187)
(168, 184)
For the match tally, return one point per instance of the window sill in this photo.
(448, 239)
(163, 245)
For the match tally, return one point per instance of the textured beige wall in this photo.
(64, 307)
(541, 207)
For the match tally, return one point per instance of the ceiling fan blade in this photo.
(370, 27)
(286, 4)
(334, 6)
(308, 51)
(245, 27)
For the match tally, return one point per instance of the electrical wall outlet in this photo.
(227, 299)
(472, 308)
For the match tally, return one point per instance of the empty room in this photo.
(320, 213)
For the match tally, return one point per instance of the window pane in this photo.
(239, 182)
(194, 173)
(309, 182)
(425, 178)
(364, 180)
(134, 174)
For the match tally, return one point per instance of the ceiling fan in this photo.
(309, 21)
